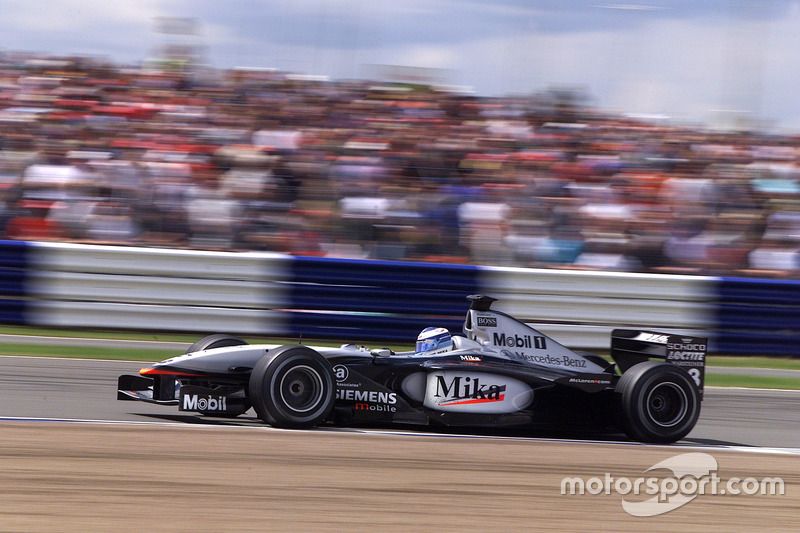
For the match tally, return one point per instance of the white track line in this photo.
(413, 434)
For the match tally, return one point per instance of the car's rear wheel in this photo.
(660, 402)
(292, 387)
(218, 340)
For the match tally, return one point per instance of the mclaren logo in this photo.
(464, 390)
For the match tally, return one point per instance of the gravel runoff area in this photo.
(79, 478)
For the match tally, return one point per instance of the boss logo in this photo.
(487, 321)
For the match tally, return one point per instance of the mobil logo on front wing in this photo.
(475, 392)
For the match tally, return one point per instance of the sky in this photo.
(693, 60)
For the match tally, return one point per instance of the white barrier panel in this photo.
(580, 308)
(133, 260)
(163, 289)
(156, 290)
(159, 317)
(77, 285)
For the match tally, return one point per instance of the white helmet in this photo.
(434, 340)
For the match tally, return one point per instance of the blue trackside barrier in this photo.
(354, 327)
(73, 285)
(376, 300)
(14, 268)
(758, 316)
(389, 274)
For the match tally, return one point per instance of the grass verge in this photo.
(757, 382)
(104, 352)
(777, 363)
(150, 355)
(86, 352)
(104, 334)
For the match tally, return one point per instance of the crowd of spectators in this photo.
(250, 159)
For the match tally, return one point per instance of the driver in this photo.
(431, 341)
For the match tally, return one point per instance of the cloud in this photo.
(120, 29)
(678, 57)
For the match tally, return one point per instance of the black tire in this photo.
(218, 340)
(660, 402)
(292, 387)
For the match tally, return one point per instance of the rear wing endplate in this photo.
(630, 346)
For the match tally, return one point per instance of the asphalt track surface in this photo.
(71, 389)
(74, 459)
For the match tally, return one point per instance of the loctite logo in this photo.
(195, 402)
(687, 356)
(519, 341)
(464, 390)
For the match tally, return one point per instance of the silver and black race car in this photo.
(501, 372)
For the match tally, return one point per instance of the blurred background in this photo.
(646, 137)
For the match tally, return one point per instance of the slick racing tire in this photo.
(218, 340)
(660, 402)
(292, 387)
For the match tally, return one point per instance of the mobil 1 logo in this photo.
(689, 353)
(520, 341)
(200, 399)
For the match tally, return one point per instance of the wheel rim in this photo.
(301, 389)
(667, 404)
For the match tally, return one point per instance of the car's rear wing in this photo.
(631, 346)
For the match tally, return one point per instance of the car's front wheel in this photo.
(660, 402)
(292, 387)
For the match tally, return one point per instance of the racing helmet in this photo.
(434, 340)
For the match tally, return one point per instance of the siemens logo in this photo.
(366, 396)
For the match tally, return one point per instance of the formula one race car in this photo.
(501, 372)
